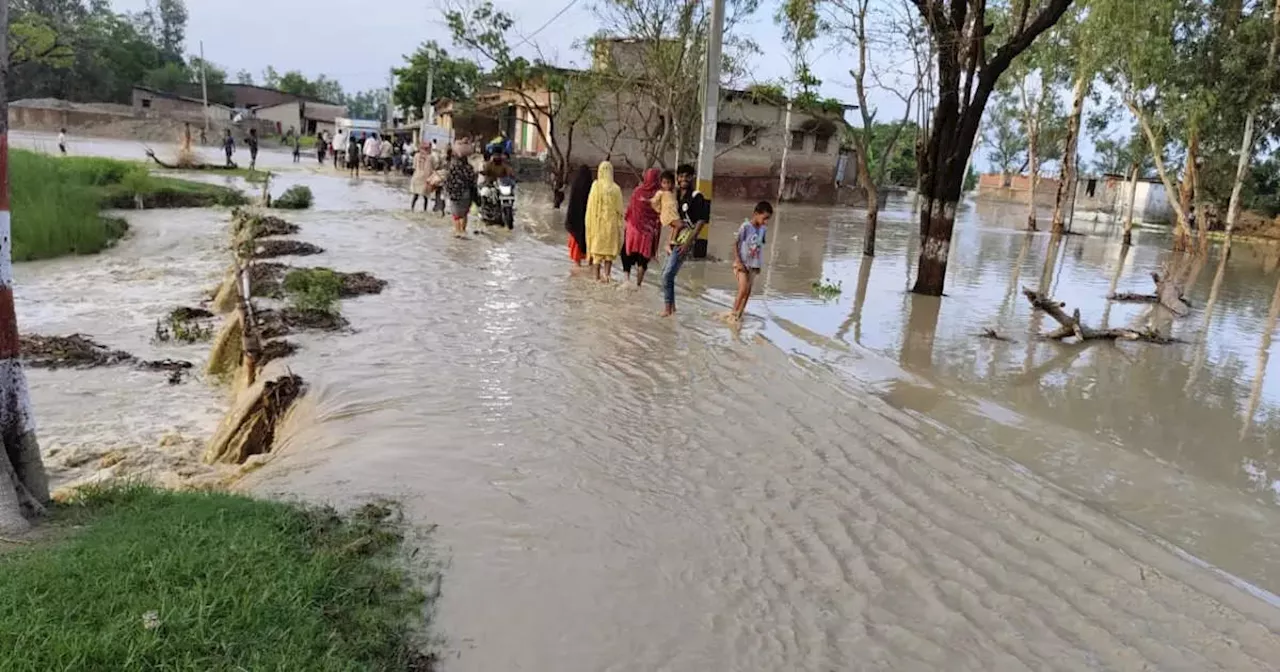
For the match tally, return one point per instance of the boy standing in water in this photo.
(748, 254)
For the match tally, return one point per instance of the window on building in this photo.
(724, 132)
(820, 143)
(797, 141)
(1091, 187)
(750, 136)
(146, 102)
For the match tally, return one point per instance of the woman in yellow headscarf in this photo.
(604, 221)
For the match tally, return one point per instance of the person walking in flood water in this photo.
(640, 243)
(460, 186)
(423, 170)
(228, 146)
(353, 154)
(575, 215)
(62, 141)
(604, 221)
(748, 251)
(252, 142)
(694, 213)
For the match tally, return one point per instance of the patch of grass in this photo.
(827, 289)
(313, 289)
(297, 197)
(148, 580)
(184, 325)
(56, 201)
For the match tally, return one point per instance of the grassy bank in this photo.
(146, 579)
(57, 201)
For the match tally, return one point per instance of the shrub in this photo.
(297, 197)
(313, 289)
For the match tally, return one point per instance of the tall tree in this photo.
(855, 21)
(967, 73)
(24, 487)
(1074, 45)
(455, 79)
(1005, 137)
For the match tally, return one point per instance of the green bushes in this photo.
(297, 197)
(313, 289)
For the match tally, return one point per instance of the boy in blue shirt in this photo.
(748, 250)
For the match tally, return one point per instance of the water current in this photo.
(861, 482)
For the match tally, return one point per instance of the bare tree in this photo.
(967, 74)
(556, 99)
(24, 487)
(850, 18)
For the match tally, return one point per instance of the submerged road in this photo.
(611, 490)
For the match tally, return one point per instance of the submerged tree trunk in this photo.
(1030, 117)
(873, 215)
(1181, 234)
(1187, 195)
(1067, 183)
(1133, 196)
(24, 487)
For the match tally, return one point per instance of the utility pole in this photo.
(710, 110)
(204, 88)
(428, 107)
(786, 147)
(24, 487)
(391, 86)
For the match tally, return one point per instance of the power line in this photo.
(548, 23)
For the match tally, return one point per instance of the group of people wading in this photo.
(602, 228)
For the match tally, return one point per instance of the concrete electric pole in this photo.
(710, 105)
(204, 89)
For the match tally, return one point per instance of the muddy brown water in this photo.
(853, 483)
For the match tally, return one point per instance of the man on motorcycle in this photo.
(497, 202)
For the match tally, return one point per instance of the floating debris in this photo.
(266, 249)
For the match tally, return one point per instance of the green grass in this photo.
(146, 579)
(313, 289)
(57, 201)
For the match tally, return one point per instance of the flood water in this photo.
(854, 483)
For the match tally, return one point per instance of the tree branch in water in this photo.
(1071, 326)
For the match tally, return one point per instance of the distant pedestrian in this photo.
(385, 152)
(460, 187)
(694, 212)
(297, 148)
(353, 155)
(748, 251)
(604, 221)
(229, 147)
(322, 145)
(62, 141)
(372, 150)
(252, 142)
(575, 215)
(423, 171)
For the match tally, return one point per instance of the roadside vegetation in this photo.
(297, 197)
(130, 577)
(57, 201)
(313, 289)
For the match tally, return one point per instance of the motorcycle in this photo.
(498, 203)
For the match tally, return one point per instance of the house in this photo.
(1108, 193)
(751, 134)
(305, 116)
(148, 101)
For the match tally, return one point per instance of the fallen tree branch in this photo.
(1071, 326)
(195, 166)
(1169, 293)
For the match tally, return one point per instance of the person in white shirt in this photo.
(373, 150)
(62, 141)
(384, 154)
